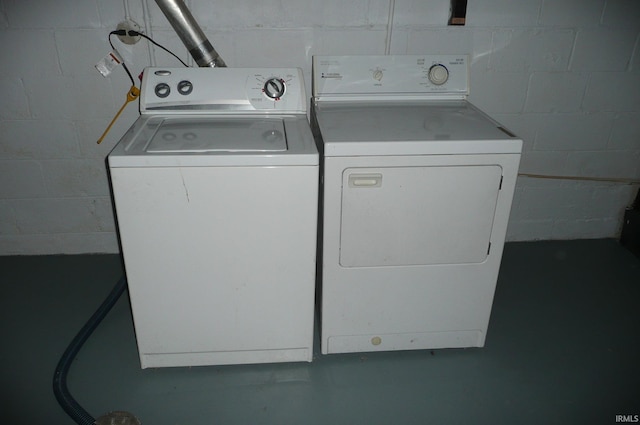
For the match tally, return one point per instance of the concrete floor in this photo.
(563, 348)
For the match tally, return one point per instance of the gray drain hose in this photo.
(64, 397)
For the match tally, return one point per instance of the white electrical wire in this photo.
(147, 31)
(127, 12)
(392, 9)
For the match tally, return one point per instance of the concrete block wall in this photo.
(563, 74)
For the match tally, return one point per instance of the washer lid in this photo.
(410, 128)
(204, 140)
(197, 135)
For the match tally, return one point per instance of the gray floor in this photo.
(563, 348)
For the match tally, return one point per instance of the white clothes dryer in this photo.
(417, 189)
(215, 190)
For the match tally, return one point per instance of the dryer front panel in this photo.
(411, 249)
(417, 215)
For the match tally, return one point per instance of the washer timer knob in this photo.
(274, 88)
(438, 74)
(185, 87)
(162, 90)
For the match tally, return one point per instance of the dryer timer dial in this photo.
(438, 74)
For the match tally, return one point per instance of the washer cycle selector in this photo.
(162, 90)
(274, 88)
(438, 74)
(185, 87)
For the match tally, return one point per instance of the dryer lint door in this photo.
(423, 215)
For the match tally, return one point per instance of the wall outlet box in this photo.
(127, 26)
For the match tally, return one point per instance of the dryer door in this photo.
(421, 215)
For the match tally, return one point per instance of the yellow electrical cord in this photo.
(132, 95)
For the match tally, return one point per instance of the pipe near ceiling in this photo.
(190, 33)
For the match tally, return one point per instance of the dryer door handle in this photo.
(365, 180)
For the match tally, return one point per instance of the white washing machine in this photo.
(216, 189)
(418, 185)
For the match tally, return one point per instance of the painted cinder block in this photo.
(70, 97)
(475, 42)
(574, 132)
(557, 202)
(498, 92)
(242, 14)
(76, 178)
(531, 49)
(63, 215)
(419, 13)
(80, 49)
(21, 179)
(7, 219)
(571, 13)
(38, 139)
(543, 162)
(594, 228)
(268, 52)
(613, 91)
(621, 13)
(52, 14)
(529, 230)
(555, 91)
(38, 54)
(15, 104)
(625, 134)
(603, 49)
(503, 13)
(615, 164)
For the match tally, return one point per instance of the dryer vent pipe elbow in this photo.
(190, 33)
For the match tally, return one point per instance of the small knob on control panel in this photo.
(162, 90)
(274, 88)
(185, 87)
(438, 74)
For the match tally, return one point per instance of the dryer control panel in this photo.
(403, 76)
(222, 91)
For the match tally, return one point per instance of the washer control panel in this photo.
(222, 90)
(388, 76)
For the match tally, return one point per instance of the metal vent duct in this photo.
(190, 33)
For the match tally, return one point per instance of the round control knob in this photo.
(162, 90)
(438, 74)
(185, 87)
(274, 88)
